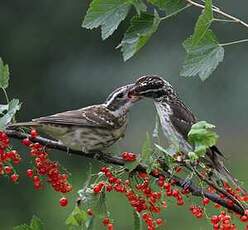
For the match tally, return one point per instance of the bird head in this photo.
(120, 100)
(151, 86)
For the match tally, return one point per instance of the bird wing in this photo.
(92, 116)
(182, 118)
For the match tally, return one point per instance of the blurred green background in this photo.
(56, 66)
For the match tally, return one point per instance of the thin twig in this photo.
(219, 11)
(234, 42)
(175, 12)
(108, 158)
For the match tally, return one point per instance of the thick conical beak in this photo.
(133, 94)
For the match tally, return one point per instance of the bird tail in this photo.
(22, 124)
(223, 172)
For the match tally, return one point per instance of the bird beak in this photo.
(135, 92)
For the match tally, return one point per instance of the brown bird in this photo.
(91, 128)
(176, 119)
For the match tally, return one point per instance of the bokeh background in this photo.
(56, 66)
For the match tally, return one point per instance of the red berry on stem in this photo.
(110, 227)
(14, 177)
(244, 218)
(106, 221)
(63, 201)
(159, 221)
(8, 169)
(33, 133)
(205, 201)
(26, 142)
(29, 172)
(90, 212)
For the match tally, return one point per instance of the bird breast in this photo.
(168, 128)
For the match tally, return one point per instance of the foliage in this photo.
(4, 75)
(8, 111)
(35, 224)
(203, 51)
(202, 137)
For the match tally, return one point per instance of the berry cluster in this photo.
(106, 222)
(196, 211)
(44, 167)
(237, 193)
(127, 156)
(8, 158)
(149, 200)
(223, 222)
(144, 199)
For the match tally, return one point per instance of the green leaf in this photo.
(193, 156)
(139, 5)
(169, 6)
(139, 32)
(170, 151)
(168, 156)
(146, 149)
(13, 107)
(202, 125)
(137, 221)
(77, 217)
(22, 227)
(204, 52)
(203, 23)
(202, 59)
(131, 165)
(4, 75)
(36, 224)
(202, 137)
(106, 13)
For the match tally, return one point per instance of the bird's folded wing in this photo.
(182, 118)
(92, 116)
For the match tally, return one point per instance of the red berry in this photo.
(97, 189)
(29, 172)
(90, 212)
(159, 221)
(180, 202)
(110, 227)
(246, 212)
(26, 142)
(205, 201)
(175, 192)
(215, 219)
(63, 201)
(36, 179)
(14, 177)
(128, 156)
(106, 221)
(244, 218)
(33, 133)
(8, 169)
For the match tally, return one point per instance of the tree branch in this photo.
(108, 158)
(219, 11)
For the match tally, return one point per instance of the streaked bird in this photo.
(176, 119)
(92, 128)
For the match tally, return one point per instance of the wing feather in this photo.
(182, 118)
(92, 116)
